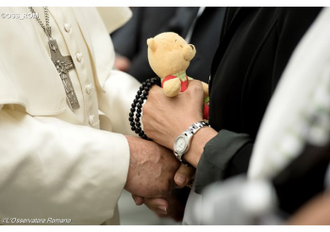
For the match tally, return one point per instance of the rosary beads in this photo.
(141, 96)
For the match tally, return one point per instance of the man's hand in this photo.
(151, 169)
(172, 206)
(165, 118)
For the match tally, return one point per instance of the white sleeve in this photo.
(120, 90)
(53, 169)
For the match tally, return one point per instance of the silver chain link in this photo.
(46, 27)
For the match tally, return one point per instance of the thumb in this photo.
(137, 199)
(183, 175)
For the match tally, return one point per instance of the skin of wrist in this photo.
(197, 145)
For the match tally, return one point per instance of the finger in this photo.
(159, 205)
(155, 90)
(138, 200)
(183, 176)
(195, 85)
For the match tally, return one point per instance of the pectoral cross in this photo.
(63, 65)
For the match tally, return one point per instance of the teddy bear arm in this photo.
(172, 87)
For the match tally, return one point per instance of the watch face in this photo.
(180, 144)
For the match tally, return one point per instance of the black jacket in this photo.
(255, 46)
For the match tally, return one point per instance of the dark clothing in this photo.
(303, 178)
(255, 46)
(147, 22)
(205, 38)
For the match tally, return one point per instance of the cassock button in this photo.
(67, 27)
(79, 57)
(91, 119)
(89, 89)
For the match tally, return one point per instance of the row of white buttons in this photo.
(79, 58)
(67, 28)
(89, 90)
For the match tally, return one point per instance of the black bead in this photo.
(141, 96)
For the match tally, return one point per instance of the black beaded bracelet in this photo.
(142, 95)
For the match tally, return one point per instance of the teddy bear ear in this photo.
(152, 44)
(189, 51)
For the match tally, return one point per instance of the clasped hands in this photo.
(154, 171)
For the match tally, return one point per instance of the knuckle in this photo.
(196, 87)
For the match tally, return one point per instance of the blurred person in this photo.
(291, 155)
(66, 150)
(255, 46)
(292, 146)
(297, 195)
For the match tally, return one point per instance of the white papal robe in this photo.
(54, 162)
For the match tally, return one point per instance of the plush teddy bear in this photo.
(169, 57)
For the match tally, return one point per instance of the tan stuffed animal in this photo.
(169, 57)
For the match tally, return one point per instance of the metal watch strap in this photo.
(189, 134)
(196, 126)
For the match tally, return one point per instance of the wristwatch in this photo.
(182, 142)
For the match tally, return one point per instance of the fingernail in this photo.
(180, 179)
(162, 209)
(137, 201)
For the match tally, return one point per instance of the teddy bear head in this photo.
(169, 53)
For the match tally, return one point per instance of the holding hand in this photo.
(173, 205)
(165, 118)
(151, 169)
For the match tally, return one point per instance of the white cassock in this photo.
(54, 162)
